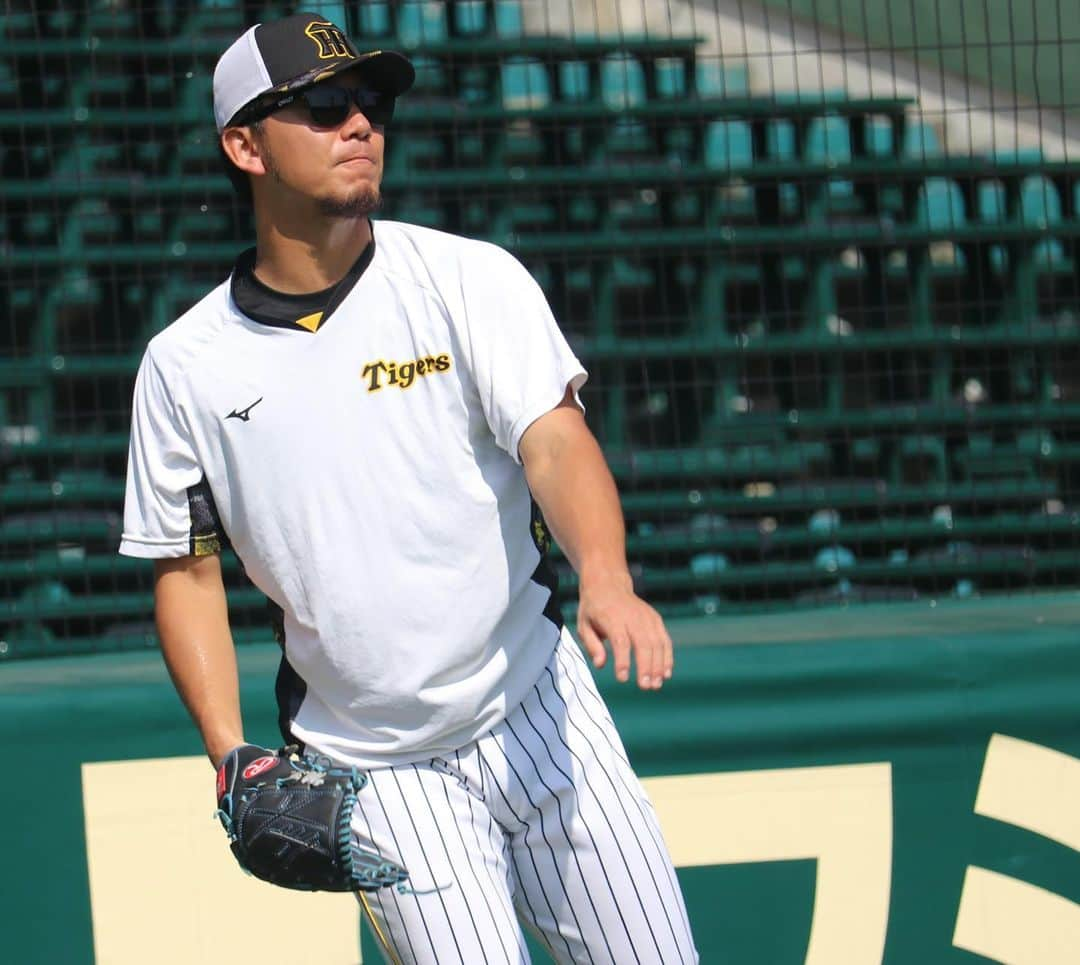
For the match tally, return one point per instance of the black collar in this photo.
(307, 312)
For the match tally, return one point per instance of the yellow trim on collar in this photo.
(310, 322)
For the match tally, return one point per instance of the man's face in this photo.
(340, 168)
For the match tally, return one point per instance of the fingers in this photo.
(592, 643)
(653, 653)
(638, 633)
(620, 650)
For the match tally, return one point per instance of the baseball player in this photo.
(379, 418)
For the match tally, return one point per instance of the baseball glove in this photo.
(289, 817)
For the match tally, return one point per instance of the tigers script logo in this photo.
(403, 374)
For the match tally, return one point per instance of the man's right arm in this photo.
(193, 625)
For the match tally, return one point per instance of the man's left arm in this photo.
(573, 486)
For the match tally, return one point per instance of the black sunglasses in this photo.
(329, 106)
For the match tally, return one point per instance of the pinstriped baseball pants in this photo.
(540, 822)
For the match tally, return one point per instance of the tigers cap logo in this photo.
(295, 52)
(329, 39)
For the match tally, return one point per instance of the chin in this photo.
(353, 205)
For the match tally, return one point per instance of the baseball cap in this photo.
(296, 52)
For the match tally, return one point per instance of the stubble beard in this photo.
(363, 201)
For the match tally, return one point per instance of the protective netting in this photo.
(819, 257)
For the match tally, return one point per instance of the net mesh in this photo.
(819, 256)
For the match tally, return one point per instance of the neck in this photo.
(306, 251)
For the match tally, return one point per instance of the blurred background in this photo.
(819, 256)
(821, 260)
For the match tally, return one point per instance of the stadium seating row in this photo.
(836, 362)
(410, 22)
(48, 616)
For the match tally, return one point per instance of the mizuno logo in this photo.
(244, 414)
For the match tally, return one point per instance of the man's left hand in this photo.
(611, 611)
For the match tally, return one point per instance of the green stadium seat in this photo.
(9, 85)
(18, 24)
(626, 138)
(223, 18)
(516, 216)
(196, 152)
(86, 158)
(824, 522)
(85, 527)
(477, 84)
(94, 90)
(992, 208)
(709, 564)
(471, 150)
(431, 77)
(420, 23)
(713, 78)
(89, 221)
(420, 210)
(374, 19)
(148, 224)
(470, 18)
(204, 224)
(919, 459)
(632, 211)
(509, 22)
(622, 81)
(991, 201)
(1040, 203)
(574, 83)
(940, 205)
(827, 142)
(1038, 445)
(833, 558)
(524, 82)
(151, 157)
(778, 457)
(41, 227)
(414, 153)
(728, 145)
(195, 98)
(1049, 257)
(167, 301)
(878, 138)
(780, 141)
(583, 211)
(685, 208)
(111, 18)
(920, 141)
(574, 86)
(522, 144)
(670, 78)
(984, 458)
(62, 21)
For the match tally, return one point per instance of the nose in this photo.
(356, 124)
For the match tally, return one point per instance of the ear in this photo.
(242, 148)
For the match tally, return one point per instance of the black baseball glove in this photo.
(289, 817)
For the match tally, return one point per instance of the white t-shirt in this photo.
(367, 476)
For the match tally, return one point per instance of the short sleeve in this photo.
(168, 508)
(520, 359)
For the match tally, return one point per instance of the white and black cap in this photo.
(296, 52)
